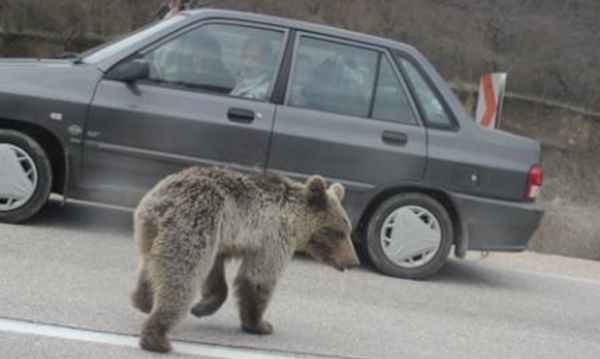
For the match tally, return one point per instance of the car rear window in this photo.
(432, 107)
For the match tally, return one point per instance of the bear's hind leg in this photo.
(214, 290)
(175, 276)
(142, 296)
(173, 294)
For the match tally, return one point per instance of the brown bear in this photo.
(191, 222)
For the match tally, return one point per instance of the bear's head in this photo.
(329, 239)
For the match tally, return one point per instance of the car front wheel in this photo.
(409, 236)
(25, 176)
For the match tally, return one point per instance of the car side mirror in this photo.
(130, 71)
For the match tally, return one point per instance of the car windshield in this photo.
(104, 51)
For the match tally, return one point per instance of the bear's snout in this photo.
(343, 268)
(346, 257)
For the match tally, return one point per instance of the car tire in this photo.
(31, 187)
(391, 231)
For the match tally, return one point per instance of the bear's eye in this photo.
(332, 234)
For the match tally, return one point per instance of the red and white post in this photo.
(490, 99)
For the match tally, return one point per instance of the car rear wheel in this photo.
(409, 236)
(25, 177)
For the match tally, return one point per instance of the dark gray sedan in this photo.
(260, 93)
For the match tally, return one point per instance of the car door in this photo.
(347, 116)
(203, 102)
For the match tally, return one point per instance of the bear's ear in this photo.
(317, 187)
(338, 190)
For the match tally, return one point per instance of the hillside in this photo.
(548, 47)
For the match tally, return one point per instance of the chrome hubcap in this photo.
(410, 236)
(18, 177)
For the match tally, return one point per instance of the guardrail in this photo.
(474, 89)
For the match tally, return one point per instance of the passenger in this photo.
(254, 80)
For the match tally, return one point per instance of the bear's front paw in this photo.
(154, 342)
(262, 328)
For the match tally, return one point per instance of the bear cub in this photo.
(193, 221)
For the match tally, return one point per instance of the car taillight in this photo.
(534, 182)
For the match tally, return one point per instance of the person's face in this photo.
(252, 60)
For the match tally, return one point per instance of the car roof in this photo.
(299, 25)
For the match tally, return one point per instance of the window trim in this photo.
(280, 90)
(375, 86)
(197, 25)
(397, 56)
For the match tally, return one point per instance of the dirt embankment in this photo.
(571, 192)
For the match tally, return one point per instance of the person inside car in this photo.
(254, 80)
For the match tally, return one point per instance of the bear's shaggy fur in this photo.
(193, 221)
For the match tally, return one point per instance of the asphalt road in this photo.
(71, 270)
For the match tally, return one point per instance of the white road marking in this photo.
(186, 348)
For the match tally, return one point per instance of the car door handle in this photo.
(394, 138)
(241, 115)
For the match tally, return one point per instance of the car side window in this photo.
(434, 111)
(391, 101)
(227, 59)
(333, 77)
